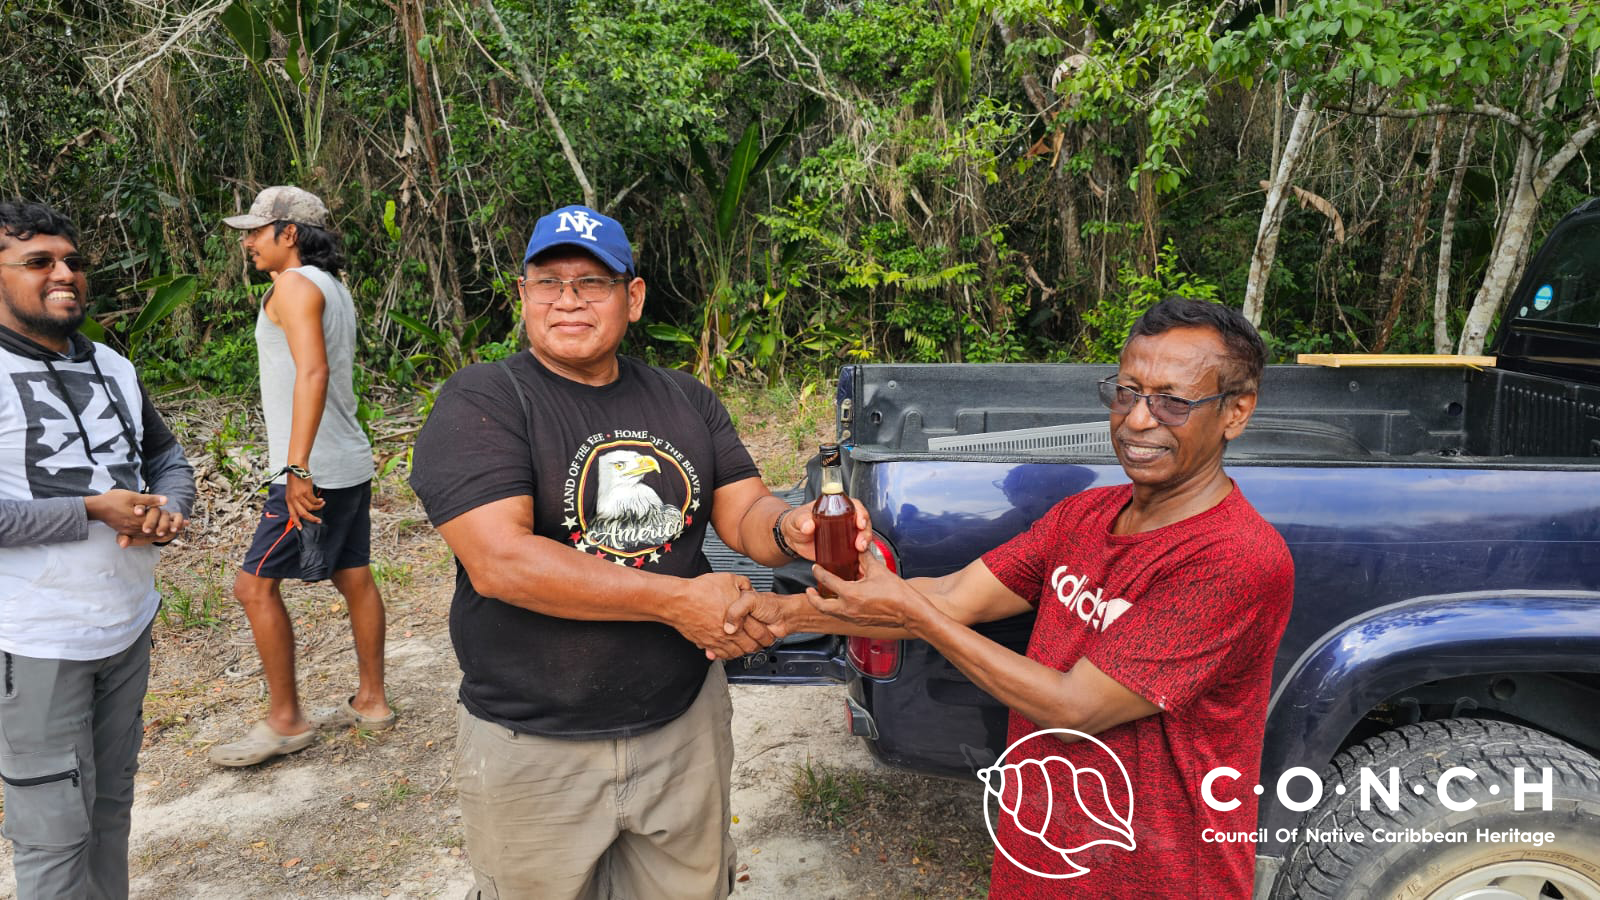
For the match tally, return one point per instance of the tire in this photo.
(1415, 869)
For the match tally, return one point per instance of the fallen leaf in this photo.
(735, 820)
(743, 878)
(259, 844)
(363, 805)
(291, 863)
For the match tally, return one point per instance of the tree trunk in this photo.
(1423, 206)
(447, 303)
(1514, 233)
(1266, 249)
(1532, 179)
(1065, 190)
(1447, 237)
(1149, 210)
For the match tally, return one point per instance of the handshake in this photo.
(740, 621)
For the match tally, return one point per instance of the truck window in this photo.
(1567, 289)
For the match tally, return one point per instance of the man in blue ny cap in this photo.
(575, 486)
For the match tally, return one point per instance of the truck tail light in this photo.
(876, 657)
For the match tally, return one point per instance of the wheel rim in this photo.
(1519, 880)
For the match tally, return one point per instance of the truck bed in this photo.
(1394, 416)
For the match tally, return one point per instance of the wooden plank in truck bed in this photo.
(1338, 360)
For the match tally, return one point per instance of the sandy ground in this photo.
(361, 815)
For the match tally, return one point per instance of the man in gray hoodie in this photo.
(90, 479)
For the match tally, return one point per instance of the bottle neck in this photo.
(832, 480)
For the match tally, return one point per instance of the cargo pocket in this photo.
(44, 801)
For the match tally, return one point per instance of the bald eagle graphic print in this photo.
(629, 515)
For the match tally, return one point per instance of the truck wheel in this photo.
(1427, 851)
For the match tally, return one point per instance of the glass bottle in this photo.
(835, 518)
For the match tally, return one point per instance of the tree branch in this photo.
(537, 90)
(827, 90)
(1487, 110)
(191, 23)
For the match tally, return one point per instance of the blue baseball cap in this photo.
(579, 226)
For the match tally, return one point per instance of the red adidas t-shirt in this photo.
(1188, 617)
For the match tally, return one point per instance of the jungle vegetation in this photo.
(812, 182)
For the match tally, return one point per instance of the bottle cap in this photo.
(829, 454)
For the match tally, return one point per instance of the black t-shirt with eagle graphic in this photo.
(624, 472)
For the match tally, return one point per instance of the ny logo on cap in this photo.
(580, 222)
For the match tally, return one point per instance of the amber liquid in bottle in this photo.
(835, 518)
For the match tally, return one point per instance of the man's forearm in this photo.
(310, 395)
(166, 471)
(52, 520)
(170, 475)
(539, 574)
(795, 614)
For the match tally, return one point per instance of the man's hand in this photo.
(800, 530)
(301, 496)
(880, 598)
(764, 611)
(700, 615)
(137, 519)
(160, 526)
(126, 512)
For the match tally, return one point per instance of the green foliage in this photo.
(186, 608)
(806, 185)
(1147, 64)
(226, 445)
(391, 575)
(1418, 53)
(311, 31)
(170, 291)
(1106, 326)
(827, 795)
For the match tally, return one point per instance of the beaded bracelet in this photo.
(777, 535)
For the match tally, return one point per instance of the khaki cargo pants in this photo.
(638, 818)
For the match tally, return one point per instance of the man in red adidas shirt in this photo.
(1160, 606)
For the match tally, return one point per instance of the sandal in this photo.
(344, 716)
(260, 744)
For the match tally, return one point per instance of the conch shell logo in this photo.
(1065, 808)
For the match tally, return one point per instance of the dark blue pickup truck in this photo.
(1444, 651)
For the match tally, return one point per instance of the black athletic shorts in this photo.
(346, 533)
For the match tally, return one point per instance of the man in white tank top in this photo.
(315, 523)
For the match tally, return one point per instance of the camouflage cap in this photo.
(281, 203)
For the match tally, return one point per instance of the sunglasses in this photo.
(1164, 408)
(74, 262)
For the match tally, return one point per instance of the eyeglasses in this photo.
(589, 288)
(75, 263)
(1165, 408)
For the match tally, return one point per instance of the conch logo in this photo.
(1059, 808)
